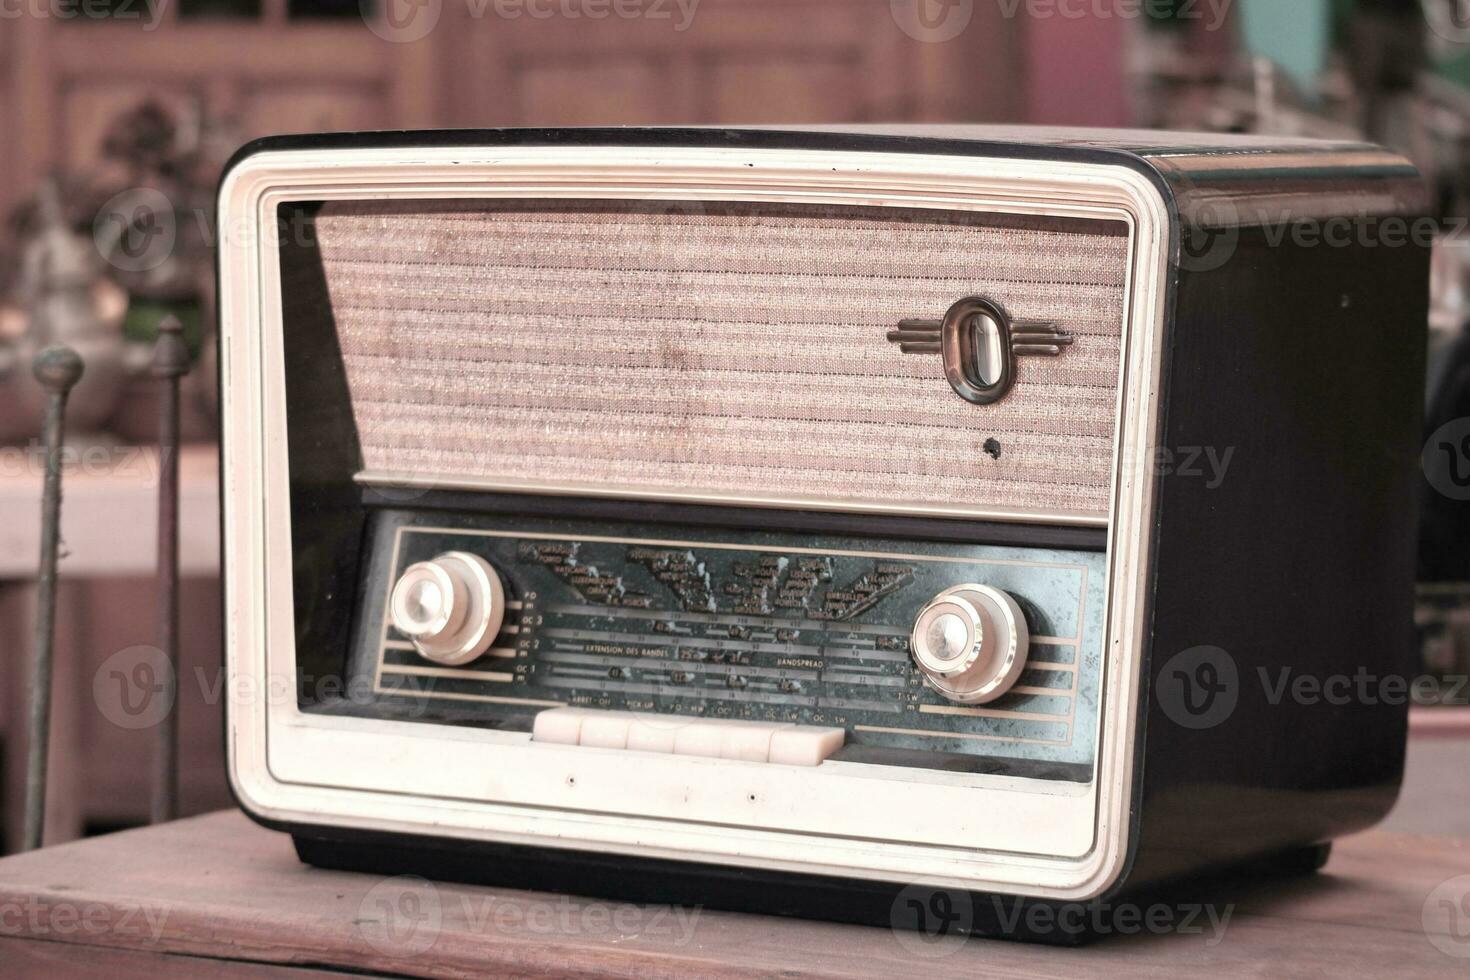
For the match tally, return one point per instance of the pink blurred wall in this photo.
(1076, 67)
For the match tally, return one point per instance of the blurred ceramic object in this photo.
(66, 298)
(150, 231)
(162, 252)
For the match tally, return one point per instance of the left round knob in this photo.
(451, 607)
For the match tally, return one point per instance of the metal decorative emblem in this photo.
(980, 344)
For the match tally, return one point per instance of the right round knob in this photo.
(970, 641)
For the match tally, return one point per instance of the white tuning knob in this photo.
(451, 607)
(971, 641)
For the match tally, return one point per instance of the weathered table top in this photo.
(217, 896)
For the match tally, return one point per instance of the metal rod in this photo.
(58, 369)
(170, 362)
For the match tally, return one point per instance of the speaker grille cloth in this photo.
(726, 349)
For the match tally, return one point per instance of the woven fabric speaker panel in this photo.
(721, 349)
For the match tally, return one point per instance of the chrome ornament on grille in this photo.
(980, 344)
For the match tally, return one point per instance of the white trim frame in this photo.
(985, 833)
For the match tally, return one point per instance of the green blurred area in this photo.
(1298, 34)
(141, 323)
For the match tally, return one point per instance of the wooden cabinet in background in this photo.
(492, 63)
(734, 61)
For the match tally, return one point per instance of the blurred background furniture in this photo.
(271, 66)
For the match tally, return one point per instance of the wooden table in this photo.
(218, 897)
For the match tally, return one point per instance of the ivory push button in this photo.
(800, 745)
(559, 726)
(605, 730)
(712, 738)
(450, 608)
(971, 642)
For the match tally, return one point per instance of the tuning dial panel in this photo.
(704, 624)
(971, 643)
(450, 608)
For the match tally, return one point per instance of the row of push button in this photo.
(747, 741)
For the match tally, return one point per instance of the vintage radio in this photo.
(807, 521)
